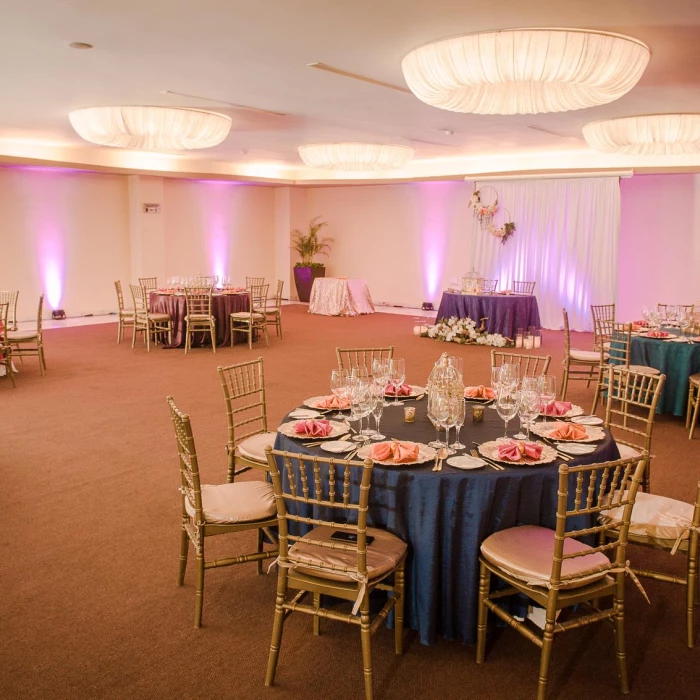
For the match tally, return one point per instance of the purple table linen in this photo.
(222, 306)
(505, 313)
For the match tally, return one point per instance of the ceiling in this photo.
(256, 54)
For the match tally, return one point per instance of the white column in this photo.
(290, 213)
(146, 230)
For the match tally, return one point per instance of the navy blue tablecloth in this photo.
(676, 360)
(505, 313)
(444, 516)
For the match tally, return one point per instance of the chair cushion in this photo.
(586, 355)
(626, 451)
(656, 519)
(13, 336)
(240, 502)
(694, 379)
(159, 317)
(383, 555)
(200, 317)
(253, 447)
(643, 369)
(526, 553)
(272, 310)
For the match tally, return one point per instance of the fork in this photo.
(491, 464)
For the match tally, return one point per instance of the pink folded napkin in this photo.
(568, 431)
(658, 334)
(513, 451)
(396, 451)
(479, 392)
(404, 390)
(313, 428)
(334, 402)
(557, 408)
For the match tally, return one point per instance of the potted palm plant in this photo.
(308, 245)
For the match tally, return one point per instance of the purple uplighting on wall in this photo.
(218, 245)
(52, 268)
(434, 200)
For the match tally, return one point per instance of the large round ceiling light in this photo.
(525, 71)
(355, 156)
(648, 134)
(151, 128)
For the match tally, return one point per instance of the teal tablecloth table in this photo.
(676, 360)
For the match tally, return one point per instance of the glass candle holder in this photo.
(409, 414)
(528, 342)
(477, 414)
(537, 339)
(519, 335)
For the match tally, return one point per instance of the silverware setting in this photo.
(493, 465)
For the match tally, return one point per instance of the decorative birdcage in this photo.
(470, 282)
(445, 378)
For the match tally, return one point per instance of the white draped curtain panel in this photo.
(565, 240)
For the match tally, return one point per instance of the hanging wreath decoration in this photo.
(485, 213)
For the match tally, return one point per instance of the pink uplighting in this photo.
(218, 244)
(51, 264)
(434, 200)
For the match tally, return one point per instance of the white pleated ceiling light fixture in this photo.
(151, 128)
(355, 157)
(525, 71)
(648, 134)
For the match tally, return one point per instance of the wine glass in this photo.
(460, 415)
(510, 375)
(397, 376)
(495, 381)
(548, 390)
(683, 321)
(458, 364)
(339, 387)
(507, 405)
(377, 410)
(528, 411)
(360, 405)
(380, 372)
(437, 412)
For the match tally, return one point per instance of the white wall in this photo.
(64, 234)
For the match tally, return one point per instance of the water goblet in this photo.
(380, 372)
(460, 415)
(377, 410)
(507, 405)
(437, 408)
(397, 376)
(548, 390)
(495, 381)
(339, 388)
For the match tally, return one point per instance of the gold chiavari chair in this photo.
(601, 312)
(30, 343)
(220, 509)
(5, 348)
(524, 287)
(254, 320)
(530, 365)
(254, 282)
(150, 284)
(10, 298)
(150, 324)
(684, 308)
(317, 564)
(351, 358)
(274, 313)
(579, 365)
(204, 281)
(557, 570)
(615, 351)
(630, 412)
(691, 415)
(246, 417)
(127, 315)
(487, 286)
(199, 316)
(671, 525)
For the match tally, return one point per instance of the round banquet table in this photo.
(444, 516)
(677, 360)
(223, 304)
(505, 312)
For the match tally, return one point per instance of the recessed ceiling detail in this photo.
(649, 134)
(357, 76)
(525, 71)
(355, 157)
(151, 128)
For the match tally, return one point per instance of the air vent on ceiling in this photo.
(224, 102)
(357, 76)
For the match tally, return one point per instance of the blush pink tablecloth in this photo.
(336, 296)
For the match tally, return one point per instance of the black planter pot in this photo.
(304, 278)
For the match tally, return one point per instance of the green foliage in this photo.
(308, 245)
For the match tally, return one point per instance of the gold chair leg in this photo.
(482, 618)
(366, 637)
(230, 472)
(619, 622)
(317, 619)
(400, 589)
(546, 657)
(259, 550)
(277, 628)
(691, 589)
(184, 550)
(596, 396)
(120, 333)
(213, 338)
(187, 337)
(148, 337)
(689, 406)
(42, 361)
(267, 340)
(564, 383)
(695, 418)
(199, 591)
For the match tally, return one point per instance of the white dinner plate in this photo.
(338, 446)
(304, 413)
(573, 448)
(466, 462)
(587, 420)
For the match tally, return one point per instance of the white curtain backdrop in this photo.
(565, 240)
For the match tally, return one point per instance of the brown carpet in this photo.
(91, 531)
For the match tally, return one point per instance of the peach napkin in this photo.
(313, 428)
(658, 334)
(479, 392)
(398, 452)
(334, 402)
(513, 451)
(568, 431)
(557, 408)
(404, 390)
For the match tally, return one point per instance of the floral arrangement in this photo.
(465, 332)
(484, 214)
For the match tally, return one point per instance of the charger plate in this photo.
(337, 428)
(425, 454)
(490, 451)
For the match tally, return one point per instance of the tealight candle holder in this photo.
(409, 414)
(477, 414)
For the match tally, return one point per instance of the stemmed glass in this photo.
(460, 415)
(380, 372)
(450, 420)
(457, 363)
(548, 390)
(495, 381)
(528, 410)
(339, 387)
(507, 405)
(397, 375)
(377, 410)
(684, 321)
(437, 411)
(361, 405)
